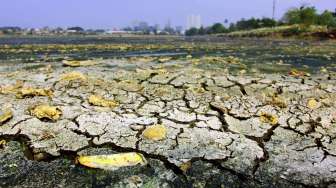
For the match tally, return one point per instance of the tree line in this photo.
(303, 15)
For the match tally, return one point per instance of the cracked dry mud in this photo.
(220, 129)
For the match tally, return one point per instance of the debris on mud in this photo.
(297, 73)
(186, 166)
(312, 104)
(164, 59)
(11, 89)
(277, 101)
(46, 112)
(73, 76)
(113, 161)
(98, 100)
(2, 143)
(31, 92)
(196, 126)
(155, 132)
(143, 59)
(5, 115)
(268, 118)
(79, 63)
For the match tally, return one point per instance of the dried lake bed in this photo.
(198, 121)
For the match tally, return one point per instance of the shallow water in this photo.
(265, 55)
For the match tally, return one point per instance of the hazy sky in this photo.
(120, 13)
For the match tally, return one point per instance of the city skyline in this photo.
(106, 14)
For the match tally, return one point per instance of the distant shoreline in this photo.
(323, 35)
(292, 31)
(256, 33)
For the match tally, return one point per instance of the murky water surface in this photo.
(255, 55)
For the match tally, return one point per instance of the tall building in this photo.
(194, 21)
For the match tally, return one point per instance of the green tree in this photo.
(202, 31)
(218, 28)
(327, 18)
(268, 22)
(232, 27)
(192, 31)
(308, 15)
(302, 15)
(292, 17)
(254, 23)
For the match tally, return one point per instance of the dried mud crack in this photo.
(217, 129)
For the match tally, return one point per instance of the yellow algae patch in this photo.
(194, 60)
(97, 100)
(112, 162)
(79, 63)
(46, 111)
(72, 76)
(164, 59)
(12, 88)
(312, 104)
(2, 143)
(196, 89)
(30, 92)
(46, 135)
(269, 118)
(156, 132)
(323, 70)
(12, 74)
(5, 116)
(219, 59)
(232, 60)
(130, 85)
(46, 69)
(145, 59)
(71, 63)
(185, 166)
(243, 71)
(22, 92)
(297, 73)
(278, 101)
(162, 71)
(208, 59)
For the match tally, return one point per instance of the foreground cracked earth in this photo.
(218, 129)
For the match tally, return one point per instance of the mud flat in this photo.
(211, 128)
